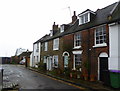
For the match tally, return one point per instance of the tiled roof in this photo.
(116, 13)
(27, 54)
(100, 17)
(42, 39)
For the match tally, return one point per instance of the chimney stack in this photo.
(74, 17)
(55, 27)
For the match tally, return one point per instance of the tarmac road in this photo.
(27, 79)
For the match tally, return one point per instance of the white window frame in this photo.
(82, 18)
(62, 28)
(45, 59)
(55, 58)
(46, 46)
(76, 53)
(37, 49)
(75, 40)
(102, 35)
(56, 44)
(51, 32)
(74, 65)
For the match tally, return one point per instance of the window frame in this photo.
(51, 32)
(46, 46)
(54, 59)
(37, 47)
(83, 19)
(61, 28)
(103, 35)
(56, 44)
(76, 39)
(74, 66)
(44, 59)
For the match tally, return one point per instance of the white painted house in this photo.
(114, 39)
(35, 56)
(114, 35)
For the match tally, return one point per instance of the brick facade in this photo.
(68, 42)
(65, 45)
(91, 53)
(88, 52)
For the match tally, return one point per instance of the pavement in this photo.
(32, 78)
(92, 86)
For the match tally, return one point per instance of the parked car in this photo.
(22, 62)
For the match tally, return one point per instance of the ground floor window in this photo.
(45, 59)
(77, 61)
(55, 61)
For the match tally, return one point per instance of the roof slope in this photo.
(27, 54)
(101, 17)
(44, 38)
(116, 13)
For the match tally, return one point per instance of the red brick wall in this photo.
(91, 53)
(68, 46)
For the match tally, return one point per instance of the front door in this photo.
(65, 61)
(104, 73)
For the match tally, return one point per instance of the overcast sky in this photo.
(22, 22)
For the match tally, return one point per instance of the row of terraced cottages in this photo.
(89, 44)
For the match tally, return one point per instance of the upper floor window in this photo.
(77, 40)
(84, 18)
(51, 32)
(100, 35)
(56, 44)
(62, 28)
(46, 46)
(37, 49)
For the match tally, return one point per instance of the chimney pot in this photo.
(74, 13)
(74, 17)
(54, 23)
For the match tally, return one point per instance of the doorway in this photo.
(65, 59)
(49, 63)
(104, 75)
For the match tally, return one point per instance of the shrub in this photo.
(42, 66)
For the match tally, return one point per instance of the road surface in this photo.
(27, 79)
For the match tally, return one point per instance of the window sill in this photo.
(55, 66)
(100, 45)
(77, 47)
(73, 69)
(55, 49)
